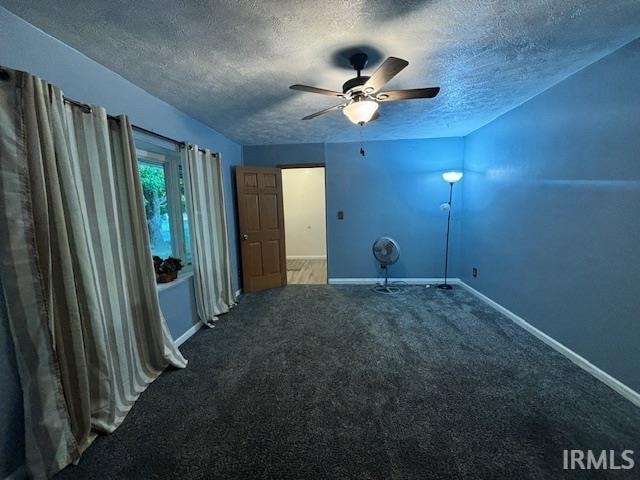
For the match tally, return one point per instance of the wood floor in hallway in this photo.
(306, 271)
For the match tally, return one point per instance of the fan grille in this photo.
(386, 251)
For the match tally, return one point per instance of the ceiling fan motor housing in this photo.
(353, 83)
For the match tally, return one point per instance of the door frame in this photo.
(285, 166)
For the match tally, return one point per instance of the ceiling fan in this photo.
(362, 93)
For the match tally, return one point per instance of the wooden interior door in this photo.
(261, 222)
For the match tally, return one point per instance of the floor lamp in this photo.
(451, 178)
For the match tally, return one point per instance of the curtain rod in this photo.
(86, 108)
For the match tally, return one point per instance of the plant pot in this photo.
(166, 277)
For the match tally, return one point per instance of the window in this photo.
(164, 202)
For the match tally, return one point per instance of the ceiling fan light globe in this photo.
(360, 112)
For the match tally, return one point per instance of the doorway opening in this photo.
(305, 223)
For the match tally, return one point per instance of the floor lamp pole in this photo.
(445, 285)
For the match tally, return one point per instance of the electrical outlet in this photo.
(474, 272)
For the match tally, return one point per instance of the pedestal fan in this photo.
(386, 251)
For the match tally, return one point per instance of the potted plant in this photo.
(167, 269)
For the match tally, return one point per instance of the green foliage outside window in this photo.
(154, 190)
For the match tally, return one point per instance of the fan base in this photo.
(388, 289)
(445, 286)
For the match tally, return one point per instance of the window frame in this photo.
(171, 168)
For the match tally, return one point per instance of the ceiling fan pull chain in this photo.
(362, 152)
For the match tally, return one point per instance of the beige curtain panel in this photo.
(204, 192)
(76, 270)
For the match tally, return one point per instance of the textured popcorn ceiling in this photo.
(229, 63)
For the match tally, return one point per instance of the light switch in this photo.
(340, 215)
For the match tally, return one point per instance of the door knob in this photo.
(245, 237)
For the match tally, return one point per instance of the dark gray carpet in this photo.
(308, 382)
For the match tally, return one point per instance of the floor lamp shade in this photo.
(452, 176)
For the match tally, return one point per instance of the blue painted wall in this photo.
(552, 212)
(178, 312)
(272, 155)
(24, 47)
(395, 190)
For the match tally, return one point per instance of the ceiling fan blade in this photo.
(385, 72)
(392, 95)
(322, 112)
(321, 91)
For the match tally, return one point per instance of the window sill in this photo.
(185, 274)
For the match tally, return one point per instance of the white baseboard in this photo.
(188, 334)
(238, 293)
(373, 281)
(19, 474)
(604, 377)
(306, 257)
